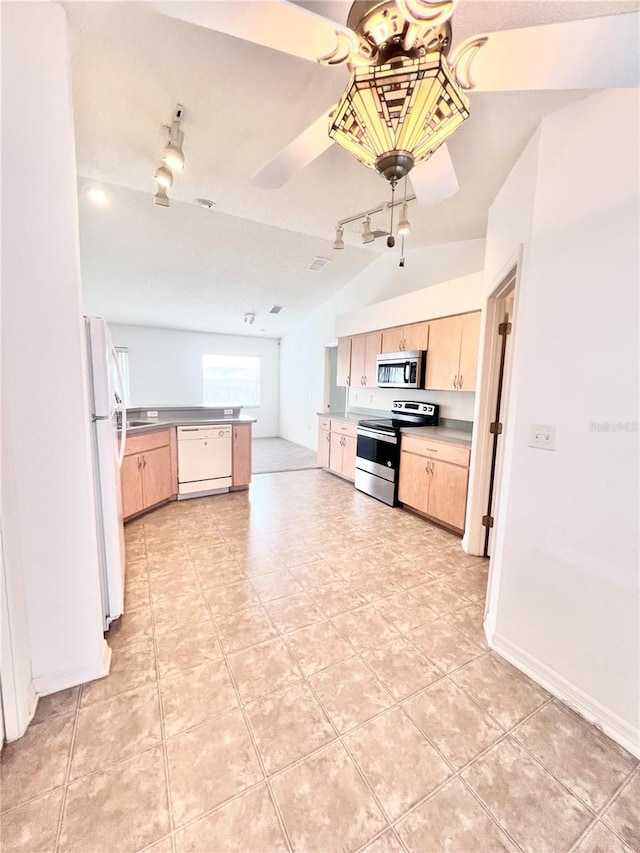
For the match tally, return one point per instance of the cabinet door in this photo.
(373, 346)
(349, 457)
(416, 336)
(413, 486)
(241, 450)
(358, 358)
(392, 339)
(443, 355)
(448, 493)
(131, 485)
(324, 447)
(343, 371)
(469, 344)
(335, 452)
(157, 483)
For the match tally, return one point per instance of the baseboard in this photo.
(611, 724)
(46, 684)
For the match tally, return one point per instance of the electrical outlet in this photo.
(153, 414)
(355, 397)
(371, 398)
(542, 436)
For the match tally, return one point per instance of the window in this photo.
(231, 380)
(122, 357)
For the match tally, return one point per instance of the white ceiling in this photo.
(185, 267)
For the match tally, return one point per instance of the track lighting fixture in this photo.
(172, 158)
(250, 318)
(367, 234)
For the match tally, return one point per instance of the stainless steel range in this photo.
(378, 448)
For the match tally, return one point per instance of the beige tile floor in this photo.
(302, 668)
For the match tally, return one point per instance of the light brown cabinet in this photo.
(324, 440)
(148, 476)
(406, 338)
(337, 447)
(452, 359)
(241, 450)
(343, 371)
(433, 479)
(364, 349)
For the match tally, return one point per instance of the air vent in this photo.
(276, 309)
(318, 264)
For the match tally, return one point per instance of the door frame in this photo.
(489, 358)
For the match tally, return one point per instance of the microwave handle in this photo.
(407, 372)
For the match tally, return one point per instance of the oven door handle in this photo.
(378, 436)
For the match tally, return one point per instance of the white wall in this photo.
(565, 603)
(49, 534)
(165, 368)
(427, 289)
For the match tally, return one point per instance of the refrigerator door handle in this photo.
(122, 409)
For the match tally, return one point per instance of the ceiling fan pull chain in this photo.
(391, 240)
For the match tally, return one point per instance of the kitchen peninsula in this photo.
(172, 452)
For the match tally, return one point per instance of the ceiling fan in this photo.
(390, 46)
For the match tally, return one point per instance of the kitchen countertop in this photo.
(452, 436)
(350, 419)
(183, 422)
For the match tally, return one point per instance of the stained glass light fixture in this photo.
(393, 116)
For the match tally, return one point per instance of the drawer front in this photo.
(324, 423)
(147, 441)
(344, 428)
(454, 453)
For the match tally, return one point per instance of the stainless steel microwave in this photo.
(401, 369)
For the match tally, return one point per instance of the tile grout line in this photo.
(65, 787)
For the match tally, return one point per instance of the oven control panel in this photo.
(414, 407)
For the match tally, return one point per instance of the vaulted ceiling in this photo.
(187, 267)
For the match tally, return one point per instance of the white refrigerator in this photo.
(106, 395)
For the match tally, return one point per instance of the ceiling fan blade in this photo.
(596, 53)
(303, 150)
(435, 179)
(277, 24)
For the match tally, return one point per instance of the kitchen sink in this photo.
(139, 423)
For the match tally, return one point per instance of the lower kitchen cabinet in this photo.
(241, 456)
(148, 476)
(337, 447)
(324, 442)
(434, 476)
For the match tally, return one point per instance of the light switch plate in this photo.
(542, 436)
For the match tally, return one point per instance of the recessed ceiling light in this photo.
(205, 202)
(97, 195)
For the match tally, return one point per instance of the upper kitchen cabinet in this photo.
(452, 358)
(364, 349)
(343, 372)
(405, 338)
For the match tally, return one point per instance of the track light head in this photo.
(173, 157)
(161, 197)
(338, 243)
(404, 226)
(250, 318)
(367, 234)
(164, 177)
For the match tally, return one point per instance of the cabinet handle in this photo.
(455, 381)
(348, 382)
(144, 461)
(433, 465)
(139, 463)
(460, 381)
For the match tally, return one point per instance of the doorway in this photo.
(335, 395)
(503, 333)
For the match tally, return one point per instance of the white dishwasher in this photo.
(204, 460)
